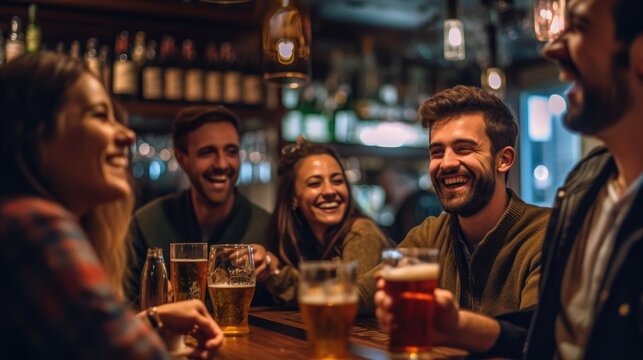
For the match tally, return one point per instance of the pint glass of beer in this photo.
(188, 267)
(328, 303)
(231, 283)
(411, 275)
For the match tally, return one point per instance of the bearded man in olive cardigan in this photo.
(489, 239)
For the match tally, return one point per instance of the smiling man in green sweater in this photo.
(489, 239)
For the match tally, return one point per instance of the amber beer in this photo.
(328, 322)
(411, 288)
(231, 304)
(188, 278)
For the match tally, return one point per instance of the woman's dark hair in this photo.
(32, 90)
(289, 229)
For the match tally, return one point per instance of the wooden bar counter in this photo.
(280, 335)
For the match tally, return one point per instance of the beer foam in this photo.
(328, 299)
(231, 286)
(412, 272)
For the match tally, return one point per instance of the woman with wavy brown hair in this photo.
(65, 202)
(315, 218)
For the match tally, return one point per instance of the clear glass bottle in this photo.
(15, 44)
(154, 279)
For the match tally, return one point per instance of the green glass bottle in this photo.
(33, 32)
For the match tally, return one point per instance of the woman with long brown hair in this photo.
(315, 218)
(65, 202)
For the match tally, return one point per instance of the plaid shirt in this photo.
(56, 302)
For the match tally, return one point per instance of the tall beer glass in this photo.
(231, 283)
(411, 276)
(328, 303)
(188, 268)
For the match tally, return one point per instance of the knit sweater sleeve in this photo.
(416, 237)
(364, 244)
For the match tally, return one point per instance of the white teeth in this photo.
(328, 205)
(221, 178)
(455, 180)
(117, 161)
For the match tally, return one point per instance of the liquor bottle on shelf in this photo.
(251, 82)
(74, 49)
(124, 82)
(151, 75)
(193, 80)
(15, 44)
(154, 279)
(91, 56)
(105, 66)
(138, 57)
(231, 75)
(172, 72)
(33, 32)
(213, 75)
(138, 50)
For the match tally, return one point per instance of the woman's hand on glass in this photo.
(191, 317)
(265, 262)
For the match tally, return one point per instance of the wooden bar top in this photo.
(280, 334)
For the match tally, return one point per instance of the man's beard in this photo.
(207, 197)
(477, 198)
(602, 107)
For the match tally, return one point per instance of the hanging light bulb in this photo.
(453, 35)
(286, 45)
(493, 81)
(549, 18)
(493, 78)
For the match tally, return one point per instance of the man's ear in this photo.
(505, 159)
(636, 57)
(181, 157)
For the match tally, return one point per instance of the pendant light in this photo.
(286, 45)
(549, 18)
(454, 47)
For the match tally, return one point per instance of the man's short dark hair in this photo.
(499, 122)
(192, 118)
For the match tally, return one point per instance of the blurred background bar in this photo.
(350, 73)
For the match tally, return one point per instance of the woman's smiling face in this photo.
(321, 192)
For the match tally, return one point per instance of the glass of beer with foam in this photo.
(231, 283)
(328, 303)
(188, 267)
(411, 276)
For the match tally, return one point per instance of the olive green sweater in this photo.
(363, 243)
(504, 269)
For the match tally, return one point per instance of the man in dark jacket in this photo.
(591, 291)
(206, 144)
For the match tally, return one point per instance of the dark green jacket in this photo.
(171, 219)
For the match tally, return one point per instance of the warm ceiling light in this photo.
(454, 47)
(549, 18)
(286, 45)
(493, 81)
